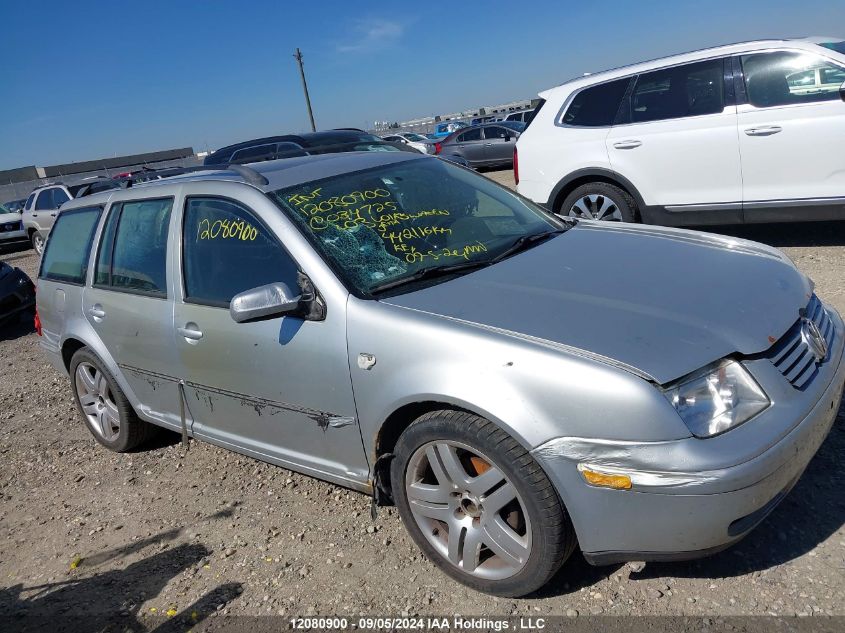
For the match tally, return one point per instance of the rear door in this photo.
(470, 145)
(677, 141)
(499, 143)
(791, 129)
(130, 303)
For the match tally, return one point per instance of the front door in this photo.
(679, 144)
(130, 303)
(791, 130)
(277, 389)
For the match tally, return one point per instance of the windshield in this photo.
(384, 224)
(839, 47)
(416, 138)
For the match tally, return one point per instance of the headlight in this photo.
(714, 402)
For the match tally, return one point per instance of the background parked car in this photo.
(15, 205)
(17, 294)
(708, 137)
(445, 128)
(481, 145)
(522, 115)
(40, 211)
(290, 145)
(417, 141)
(11, 227)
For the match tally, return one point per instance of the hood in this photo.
(11, 216)
(664, 302)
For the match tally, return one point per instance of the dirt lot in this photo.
(161, 532)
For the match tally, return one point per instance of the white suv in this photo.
(748, 132)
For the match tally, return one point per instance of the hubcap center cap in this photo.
(471, 506)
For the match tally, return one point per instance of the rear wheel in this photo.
(104, 408)
(600, 201)
(478, 505)
(37, 242)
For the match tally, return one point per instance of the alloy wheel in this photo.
(38, 243)
(596, 207)
(468, 510)
(96, 400)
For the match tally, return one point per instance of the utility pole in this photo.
(298, 57)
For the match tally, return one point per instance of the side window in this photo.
(596, 106)
(29, 201)
(783, 78)
(680, 91)
(45, 200)
(66, 254)
(59, 198)
(226, 250)
(497, 132)
(471, 135)
(133, 249)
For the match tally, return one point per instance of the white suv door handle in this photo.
(191, 331)
(630, 144)
(766, 130)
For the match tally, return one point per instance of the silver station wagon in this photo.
(516, 384)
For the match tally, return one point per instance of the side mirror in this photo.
(272, 300)
(507, 138)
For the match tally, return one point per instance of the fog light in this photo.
(604, 480)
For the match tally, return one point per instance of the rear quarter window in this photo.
(66, 255)
(596, 106)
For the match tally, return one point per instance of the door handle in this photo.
(631, 144)
(766, 130)
(488, 145)
(52, 215)
(97, 312)
(191, 331)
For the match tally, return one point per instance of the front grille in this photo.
(792, 354)
(11, 226)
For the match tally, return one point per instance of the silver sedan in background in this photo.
(488, 145)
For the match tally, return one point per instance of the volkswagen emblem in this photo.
(813, 338)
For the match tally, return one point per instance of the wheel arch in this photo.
(70, 346)
(593, 174)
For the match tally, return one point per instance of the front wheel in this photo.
(478, 505)
(600, 201)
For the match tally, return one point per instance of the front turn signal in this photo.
(604, 480)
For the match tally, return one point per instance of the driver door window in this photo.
(227, 251)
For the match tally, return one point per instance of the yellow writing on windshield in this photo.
(414, 236)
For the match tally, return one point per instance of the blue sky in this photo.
(88, 80)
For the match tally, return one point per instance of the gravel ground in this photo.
(162, 532)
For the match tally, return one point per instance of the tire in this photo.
(104, 407)
(599, 201)
(533, 524)
(37, 242)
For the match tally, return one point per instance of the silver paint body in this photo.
(564, 346)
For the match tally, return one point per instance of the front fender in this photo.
(535, 391)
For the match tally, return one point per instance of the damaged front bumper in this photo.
(693, 497)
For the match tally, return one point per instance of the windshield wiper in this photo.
(526, 241)
(429, 272)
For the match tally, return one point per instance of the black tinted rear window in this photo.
(66, 255)
(596, 106)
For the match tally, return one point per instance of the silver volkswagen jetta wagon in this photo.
(515, 383)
